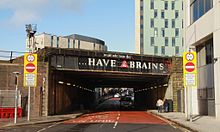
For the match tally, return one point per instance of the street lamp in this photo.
(16, 95)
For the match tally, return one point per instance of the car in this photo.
(126, 102)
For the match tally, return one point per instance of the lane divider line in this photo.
(116, 123)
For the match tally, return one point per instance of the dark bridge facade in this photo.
(75, 74)
(81, 60)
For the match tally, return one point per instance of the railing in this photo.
(9, 55)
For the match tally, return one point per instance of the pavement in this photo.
(9, 122)
(199, 123)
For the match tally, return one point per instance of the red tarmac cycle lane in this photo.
(128, 117)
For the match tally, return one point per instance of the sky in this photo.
(110, 20)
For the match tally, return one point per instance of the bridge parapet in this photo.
(66, 59)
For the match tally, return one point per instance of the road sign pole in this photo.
(191, 106)
(16, 103)
(29, 103)
(187, 103)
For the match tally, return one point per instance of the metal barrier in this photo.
(10, 55)
(7, 104)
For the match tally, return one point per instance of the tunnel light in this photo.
(60, 82)
(74, 85)
(68, 84)
(165, 85)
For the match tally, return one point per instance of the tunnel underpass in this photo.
(75, 90)
(73, 76)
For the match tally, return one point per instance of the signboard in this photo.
(189, 69)
(123, 65)
(30, 70)
(110, 61)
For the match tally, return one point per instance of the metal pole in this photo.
(16, 98)
(187, 103)
(29, 103)
(190, 103)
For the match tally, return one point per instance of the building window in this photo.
(166, 41)
(74, 44)
(142, 48)
(166, 5)
(51, 44)
(177, 32)
(142, 35)
(68, 43)
(142, 8)
(151, 23)
(173, 23)
(162, 14)
(198, 8)
(173, 41)
(58, 41)
(176, 14)
(155, 50)
(141, 26)
(182, 24)
(78, 44)
(173, 5)
(155, 13)
(163, 50)
(152, 41)
(209, 51)
(163, 32)
(182, 5)
(141, 17)
(177, 51)
(152, 4)
(166, 23)
(182, 41)
(155, 32)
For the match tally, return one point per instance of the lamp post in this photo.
(16, 95)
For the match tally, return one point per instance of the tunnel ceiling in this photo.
(110, 79)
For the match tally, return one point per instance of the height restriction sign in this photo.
(189, 69)
(30, 70)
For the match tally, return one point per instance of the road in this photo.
(113, 120)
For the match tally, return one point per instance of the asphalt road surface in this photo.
(106, 121)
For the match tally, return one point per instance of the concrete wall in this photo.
(198, 32)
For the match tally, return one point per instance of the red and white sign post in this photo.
(30, 75)
(190, 79)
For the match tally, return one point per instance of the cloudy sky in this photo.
(109, 20)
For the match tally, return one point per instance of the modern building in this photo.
(202, 34)
(158, 27)
(71, 41)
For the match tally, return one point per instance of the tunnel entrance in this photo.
(74, 76)
(74, 90)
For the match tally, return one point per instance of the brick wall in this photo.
(8, 83)
(177, 81)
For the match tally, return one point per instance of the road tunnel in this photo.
(74, 75)
(75, 90)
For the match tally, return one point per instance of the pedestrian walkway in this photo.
(199, 124)
(7, 122)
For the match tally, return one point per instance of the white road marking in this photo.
(41, 130)
(116, 123)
